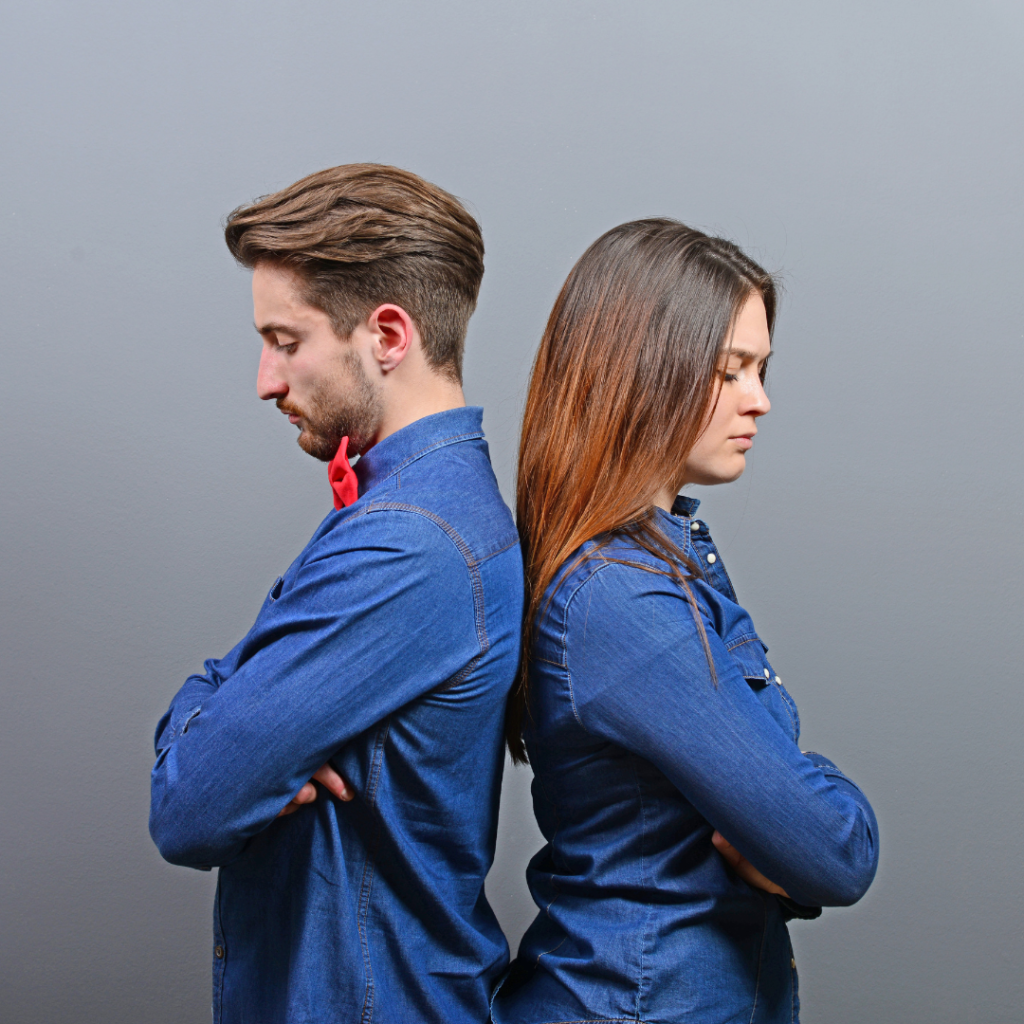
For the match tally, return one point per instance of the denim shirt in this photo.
(638, 755)
(388, 648)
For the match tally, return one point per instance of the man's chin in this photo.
(318, 446)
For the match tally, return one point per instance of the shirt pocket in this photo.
(751, 653)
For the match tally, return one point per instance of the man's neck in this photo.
(409, 405)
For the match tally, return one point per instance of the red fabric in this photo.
(343, 477)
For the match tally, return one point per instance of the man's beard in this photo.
(337, 409)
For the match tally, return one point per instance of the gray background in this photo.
(871, 152)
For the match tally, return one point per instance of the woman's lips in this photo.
(744, 441)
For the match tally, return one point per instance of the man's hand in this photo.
(326, 776)
(743, 867)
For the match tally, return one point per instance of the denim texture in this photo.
(639, 754)
(388, 648)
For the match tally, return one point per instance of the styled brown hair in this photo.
(623, 384)
(360, 235)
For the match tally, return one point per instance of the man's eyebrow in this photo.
(275, 328)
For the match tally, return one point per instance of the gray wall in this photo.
(872, 152)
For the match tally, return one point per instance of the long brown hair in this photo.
(624, 381)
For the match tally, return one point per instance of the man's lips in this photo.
(292, 414)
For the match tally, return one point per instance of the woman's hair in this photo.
(624, 382)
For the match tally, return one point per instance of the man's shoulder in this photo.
(455, 489)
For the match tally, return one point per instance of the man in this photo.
(380, 662)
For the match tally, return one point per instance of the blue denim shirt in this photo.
(388, 648)
(638, 756)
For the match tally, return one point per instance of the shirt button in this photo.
(695, 526)
(218, 952)
(792, 962)
(778, 680)
(712, 558)
(767, 674)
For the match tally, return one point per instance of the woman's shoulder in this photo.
(616, 580)
(610, 570)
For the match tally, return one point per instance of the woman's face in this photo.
(720, 454)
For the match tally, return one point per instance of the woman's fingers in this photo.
(726, 849)
(743, 867)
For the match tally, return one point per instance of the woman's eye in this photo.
(727, 377)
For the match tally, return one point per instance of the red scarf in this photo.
(343, 478)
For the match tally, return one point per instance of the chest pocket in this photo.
(751, 654)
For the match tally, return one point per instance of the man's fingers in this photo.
(335, 784)
(328, 778)
(306, 795)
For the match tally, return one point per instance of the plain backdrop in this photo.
(871, 153)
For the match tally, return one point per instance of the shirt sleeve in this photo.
(639, 677)
(379, 614)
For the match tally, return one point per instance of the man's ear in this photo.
(395, 334)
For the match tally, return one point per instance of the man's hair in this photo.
(360, 235)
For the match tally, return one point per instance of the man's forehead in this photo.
(278, 304)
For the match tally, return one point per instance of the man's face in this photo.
(316, 378)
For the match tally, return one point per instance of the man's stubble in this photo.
(347, 405)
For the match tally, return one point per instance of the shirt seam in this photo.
(565, 629)
(472, 564)
(476, 435)
(366, 883)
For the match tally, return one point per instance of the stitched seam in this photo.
(790, 710)
(643, 885)
(744, 638)
(218, 992)
(455, 439)
(511, 544)
(564, 646)
(463, 548)
(366, 883)
(459, 676)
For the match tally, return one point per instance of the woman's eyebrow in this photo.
(742, 353)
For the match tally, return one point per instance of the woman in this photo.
(684, 826)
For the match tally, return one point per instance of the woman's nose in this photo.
(758, 403)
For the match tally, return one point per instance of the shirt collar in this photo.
(685, 506)
(405, 446)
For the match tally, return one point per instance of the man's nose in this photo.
(269, 382)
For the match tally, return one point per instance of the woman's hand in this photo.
(329, 778)
(743, 867)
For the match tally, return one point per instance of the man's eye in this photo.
(288, 350)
